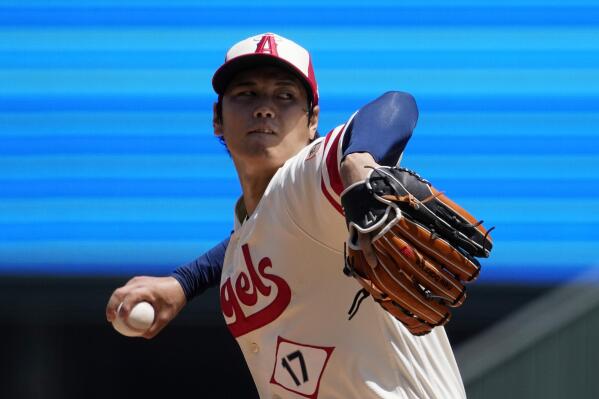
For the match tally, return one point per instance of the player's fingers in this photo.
(367, 249)
(153, 331)
(134, 297)
(113, 303)
(161, 320)
(120, 294)
(137, 280)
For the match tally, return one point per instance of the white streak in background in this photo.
(513, 167)
(365, 82)
(198, 124)
(523, 255)
(509, 125)
(499, 166)
(532, 210)
(305, 3)
(339, 39)
(77, 254)
(109, 124)
(508, 260)
(117, 167)
(121, 210)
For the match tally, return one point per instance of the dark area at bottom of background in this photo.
(56, 344)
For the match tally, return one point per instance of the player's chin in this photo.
(260, 142)
(262, 137)
(267, 156)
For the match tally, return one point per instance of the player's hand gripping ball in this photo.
(140, 319)
(425, 244)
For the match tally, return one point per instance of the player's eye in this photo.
(286, 96)
(243, 93)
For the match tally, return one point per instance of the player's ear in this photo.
(313, 122)
(217, 122)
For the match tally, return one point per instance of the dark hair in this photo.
(219, 118)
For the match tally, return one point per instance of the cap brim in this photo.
(228, 70)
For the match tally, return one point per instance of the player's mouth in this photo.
(262, 131)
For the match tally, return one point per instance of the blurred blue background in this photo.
(108, 165)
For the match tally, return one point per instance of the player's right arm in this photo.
(168, 295)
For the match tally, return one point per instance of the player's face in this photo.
(265, 117)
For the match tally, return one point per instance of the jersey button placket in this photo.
(254, 348)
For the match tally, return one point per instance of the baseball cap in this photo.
(267, 49)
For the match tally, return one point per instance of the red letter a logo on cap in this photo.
(267, 45)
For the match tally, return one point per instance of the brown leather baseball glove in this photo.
(425, 244)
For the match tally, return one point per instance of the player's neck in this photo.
(253, 187)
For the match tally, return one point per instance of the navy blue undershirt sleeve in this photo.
(382, 127)
(204, 272)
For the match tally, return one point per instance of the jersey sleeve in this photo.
(202, 273)
(383, 127)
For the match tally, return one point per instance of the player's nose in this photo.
(264, 111)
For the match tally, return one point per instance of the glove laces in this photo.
(355, 306)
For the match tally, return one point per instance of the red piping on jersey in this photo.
(333, 167)
(327, 137)
(323, 186)
(330, 198)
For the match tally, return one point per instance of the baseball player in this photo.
(282, 291)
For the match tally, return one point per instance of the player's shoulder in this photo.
(321, 154)
(316, 150)
(310, 153)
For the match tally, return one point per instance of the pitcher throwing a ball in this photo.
(312, 207)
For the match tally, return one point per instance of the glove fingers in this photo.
(405, 291)
(423, 270)
(376, 294)
(467, 269)
(424, 203)
(413, 323)
(468, 225)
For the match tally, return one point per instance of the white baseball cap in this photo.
(267, 48)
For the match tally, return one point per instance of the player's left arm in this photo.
(380, 130)
(377, 135)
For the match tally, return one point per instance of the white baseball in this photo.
(139, 321)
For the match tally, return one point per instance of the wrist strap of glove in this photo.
(366, 211)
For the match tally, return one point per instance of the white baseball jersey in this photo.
(286, 300)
